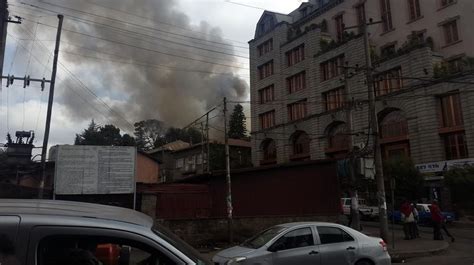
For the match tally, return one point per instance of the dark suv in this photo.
(43, 232)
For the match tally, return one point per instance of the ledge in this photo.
(387, 32)
(451, 44)
(448, 5)
(415, 19)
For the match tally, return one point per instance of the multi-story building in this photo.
(308, 70)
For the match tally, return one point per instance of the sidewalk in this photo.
(404, 249)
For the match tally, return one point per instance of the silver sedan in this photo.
(311, 243)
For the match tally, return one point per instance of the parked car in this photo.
(310, 243)
(42, 232)
(366, 212)
(424, 215)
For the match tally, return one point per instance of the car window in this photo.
(348, 202)
(298, 238)
(329, 235)
(264, 237)
(82, 250)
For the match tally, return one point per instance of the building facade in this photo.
(308, 71)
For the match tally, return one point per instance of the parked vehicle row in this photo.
(366, 212)
(424, 215)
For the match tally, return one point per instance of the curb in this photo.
(421, 253)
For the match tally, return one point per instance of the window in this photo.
(298, 238)
(387, 50)
(334, 99)
(339, 27)
(300, 141)
(267, 119)
(360, 10)
(265, 47)
(386, 15)
(266, 94)
(451, 113)
(269, 150)
(97, 250)
(394, 124)
(295, 55)
(297, 110)
(451, 32)
(190, 164)
(447, 2)
(388, 82)
(330, 235)
(455, 145)
(265, 70)
(338, 138)
(296, 82)
(179, 163)
(415, 11)
(331, 68)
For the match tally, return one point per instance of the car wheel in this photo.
(364, 262)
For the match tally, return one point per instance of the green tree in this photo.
(190, 135)
(107, 135)
(409, 181)
(237, 123)
(149, 134)
(461, 182)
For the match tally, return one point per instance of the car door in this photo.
(11, 249)
(51, 245)
(295, 247)
(336, 246)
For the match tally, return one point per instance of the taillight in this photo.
(384, 245)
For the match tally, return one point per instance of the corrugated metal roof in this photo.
(173, 146)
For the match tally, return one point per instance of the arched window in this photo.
(338, 139)
(269, 152)
(394, 124)
(394, 139)
(300, 144)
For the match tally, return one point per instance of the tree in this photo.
(237, 123)
(461, 182)
(409, 181)
(149, 134)
(107, 135)
(190, 135)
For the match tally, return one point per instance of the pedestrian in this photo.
(408, 219)
(438, 222)
(416, 230)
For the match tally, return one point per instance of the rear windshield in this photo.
(178, 243)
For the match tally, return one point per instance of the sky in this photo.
(116, 82)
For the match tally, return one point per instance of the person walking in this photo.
(416, 230)
(438, 222)
(407, 217)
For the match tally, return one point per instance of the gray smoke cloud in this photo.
(173, 94)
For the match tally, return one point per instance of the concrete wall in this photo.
(210, 232)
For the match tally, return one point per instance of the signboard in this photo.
(442, 166)
(94, 169)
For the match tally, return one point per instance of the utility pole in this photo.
(208, 164)
(228, 179)
(50, 107)
(202, 148)
(355, 216)
(3, 32)
(379, 178)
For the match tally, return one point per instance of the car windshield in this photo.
(175, 241)
(263, 237)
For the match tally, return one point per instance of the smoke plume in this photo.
(172, 89)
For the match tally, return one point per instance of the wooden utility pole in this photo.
(379, 178)
(355, 216)
(50, 107)
(228, 179)
(3, 32)
(208, 160)
(202, 148)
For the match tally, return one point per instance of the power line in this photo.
(129, 23)
(146, 49)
